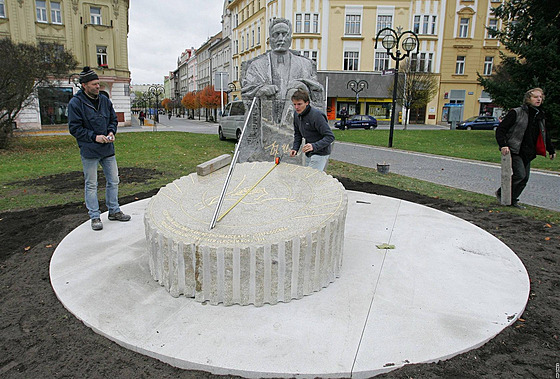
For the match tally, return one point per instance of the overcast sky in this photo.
(161, 29)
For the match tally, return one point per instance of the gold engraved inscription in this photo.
(172, 225)
(274, 148)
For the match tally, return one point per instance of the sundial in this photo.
(279, 240)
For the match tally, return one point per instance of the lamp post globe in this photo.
(357, 86)
(156, 90)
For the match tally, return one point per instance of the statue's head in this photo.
(280, 31)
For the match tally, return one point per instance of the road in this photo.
(543, 189)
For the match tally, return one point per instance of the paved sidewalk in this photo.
(543, 189)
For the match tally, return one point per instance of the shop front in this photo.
(53, 104)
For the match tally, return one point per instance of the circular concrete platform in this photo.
(446, 287)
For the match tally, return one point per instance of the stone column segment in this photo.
(283, 241)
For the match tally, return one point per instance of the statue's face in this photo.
(280, 38)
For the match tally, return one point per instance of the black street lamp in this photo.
(75, 79)
(231, 88)
(146, 98)
(357, 87)
(408, 41)
(156, 90)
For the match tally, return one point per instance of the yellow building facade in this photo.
(95, 31)
(340, 36)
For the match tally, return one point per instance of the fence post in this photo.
(506, 179)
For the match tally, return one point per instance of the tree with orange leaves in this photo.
(191, 101)
(167, 104)
(209, 98)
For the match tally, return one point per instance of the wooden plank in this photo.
(507, 172)
(213, 165)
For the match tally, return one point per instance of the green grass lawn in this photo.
(469, 144)
(176, 154)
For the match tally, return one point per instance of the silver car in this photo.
(232, 120)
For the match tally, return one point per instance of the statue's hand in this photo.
(267, 90)
(297, 84)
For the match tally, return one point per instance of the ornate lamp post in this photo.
(75, 79)
(408, 41)
(146, 98)
(357, 87)
(156, 90)
(231, 88)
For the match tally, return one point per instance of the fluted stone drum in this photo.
(282, 241)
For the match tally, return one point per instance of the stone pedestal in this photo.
(283, 241)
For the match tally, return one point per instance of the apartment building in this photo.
(340, 36)
(95, 32)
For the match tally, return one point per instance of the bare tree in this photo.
(415, 88)
(24, 68)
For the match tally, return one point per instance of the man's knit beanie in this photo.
(87, 75)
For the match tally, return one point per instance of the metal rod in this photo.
(231, 167)
(248, 192)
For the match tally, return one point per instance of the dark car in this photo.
(359, 121)
(479, 123)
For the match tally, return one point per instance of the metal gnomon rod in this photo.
(231, 167)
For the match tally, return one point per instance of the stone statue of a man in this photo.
(273, 77)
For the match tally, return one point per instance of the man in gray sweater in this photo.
(311, 124)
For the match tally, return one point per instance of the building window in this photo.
(102, 56)
(304, 23)
(429, 62)
(492, 25)
(315, 23)
(307, 23)
(242, 43)
(464, 28)
(351, 60)
(414, 62)
(425, 24)
(310, 54)
(56, 15)
(95, 14)
(259, 35)
(2, 9)
(416, 26)
(381, 61)
(460, 65)
(41, 7)
(384, 22)
(353, 24)
(298, 23)
(488, 64)
(253, 38)
(422, 62)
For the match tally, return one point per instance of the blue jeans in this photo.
(318, 162)
(111, 172)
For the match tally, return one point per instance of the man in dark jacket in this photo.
(523, 134)
(311, 124)
(93, 122)
(343, 116)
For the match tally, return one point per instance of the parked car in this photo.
(232, 120)
(358, 121)
(479, 123)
